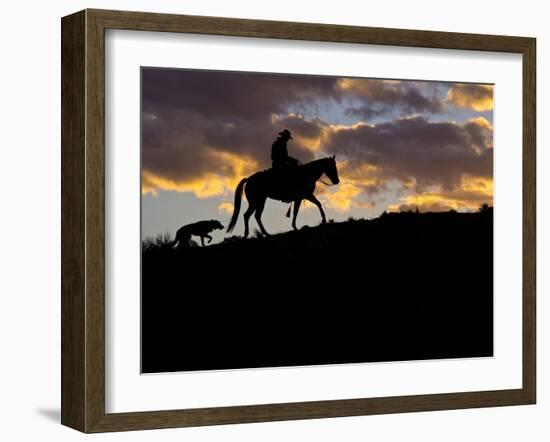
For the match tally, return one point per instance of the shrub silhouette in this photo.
(161, 241)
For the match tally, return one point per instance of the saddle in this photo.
(284, 181)
(284, 174)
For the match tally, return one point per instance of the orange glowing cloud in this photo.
(205, 186)
(472, 193)
(341, 199)
(481, 121)
(367, 87)
(225, 207)
(352, 190)
(471, 96)
(229, 169)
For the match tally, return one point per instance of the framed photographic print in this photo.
(267, 221)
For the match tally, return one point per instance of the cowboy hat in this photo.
(287, 133)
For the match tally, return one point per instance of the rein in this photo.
(325, 183)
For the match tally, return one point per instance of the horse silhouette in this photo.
(295, 185)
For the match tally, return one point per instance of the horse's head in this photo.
(330, 169)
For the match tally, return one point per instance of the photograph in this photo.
(293, 220)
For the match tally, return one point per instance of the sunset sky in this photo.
(399, 144)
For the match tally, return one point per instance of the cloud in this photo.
(357, 186)
(220, 94)
(343, 198)
(192, 119)
(481, 133)
(380, 97)
(477, 97)
(470, 195)
(435, 165)
(226, 208)
(415, 149)
(220, 178)
(202, 131)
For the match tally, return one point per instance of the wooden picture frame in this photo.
(83, 220)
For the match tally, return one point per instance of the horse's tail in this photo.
(237, 205)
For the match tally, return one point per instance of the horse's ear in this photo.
(333, 157)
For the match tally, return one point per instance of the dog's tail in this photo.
(236, 205)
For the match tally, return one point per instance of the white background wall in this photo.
(30, 219)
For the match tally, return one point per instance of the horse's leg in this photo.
(258, 216)
(297, 204)
(247, 216)
(202, 240)
(318, 204)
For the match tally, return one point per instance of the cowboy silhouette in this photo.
(279, 152)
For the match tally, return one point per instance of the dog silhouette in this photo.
(200, 229)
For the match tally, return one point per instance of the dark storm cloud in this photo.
(481, 133)
(367, 112)
(415, 149)
(215, 94)
(380, 97)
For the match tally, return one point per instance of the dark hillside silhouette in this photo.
(403, 286)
